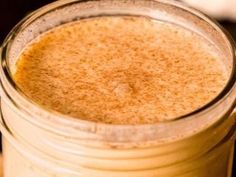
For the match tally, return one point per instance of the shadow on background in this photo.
(12, 11)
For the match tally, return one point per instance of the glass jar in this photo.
(43, 143)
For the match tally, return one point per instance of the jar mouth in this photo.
(61, 119)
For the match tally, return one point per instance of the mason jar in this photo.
(43, 143)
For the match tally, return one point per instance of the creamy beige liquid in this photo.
(121, 70)
(118, 70)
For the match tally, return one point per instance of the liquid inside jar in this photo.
(121, 70)
(118, 70)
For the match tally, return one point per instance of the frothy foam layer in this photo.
(121, 70)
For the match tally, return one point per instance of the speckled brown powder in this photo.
(121, 70)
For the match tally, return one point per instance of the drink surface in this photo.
(121, 70)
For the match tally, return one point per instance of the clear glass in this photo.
(43, 143)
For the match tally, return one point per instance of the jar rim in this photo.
(94, 126)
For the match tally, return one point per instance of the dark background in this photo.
(12, 11)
